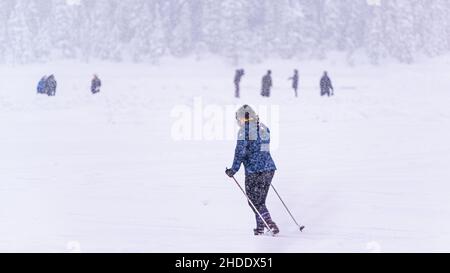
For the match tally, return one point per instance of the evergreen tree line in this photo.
(238, 30)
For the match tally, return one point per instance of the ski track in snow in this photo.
(365, 171)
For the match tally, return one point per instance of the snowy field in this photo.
(365, 171)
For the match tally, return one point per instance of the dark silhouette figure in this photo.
(294, 80)
(51, 86)
(96, 84)
(237, 82)
(326, 87)
(266, 84)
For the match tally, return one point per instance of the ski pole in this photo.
(299, 226)
(253, 206)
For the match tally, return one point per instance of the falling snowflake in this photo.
(374, 2)
(73, 2)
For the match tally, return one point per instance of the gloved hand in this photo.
(230, 172)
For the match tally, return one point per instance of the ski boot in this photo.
(260, 227)
(273, 227)
(259, 231)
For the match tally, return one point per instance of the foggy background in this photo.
(237, 30)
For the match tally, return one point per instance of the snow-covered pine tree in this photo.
(6, 7)
(282, 28)
(403, 37)
(62, 29)
(256, 22)
(354, 16)
(332, 25)
(33, 17)
(312, 28)
(374, 43)
(211, 32)
(42, 46)
(273, 32)
(434, 39)
(127, 19)
(293, 42)
(103, 34)
(176, 23)
(234, 27)
(196, 12)
(40, 24)
(148, 42)
(19, 37)
(181, 43)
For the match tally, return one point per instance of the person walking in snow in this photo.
(42, 85)
(237, 82)
(51, 86)
(294, 80)
(266, 84)
(253, 150)
(326, 87)
(96, 84)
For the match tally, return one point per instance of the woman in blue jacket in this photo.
(253, 150)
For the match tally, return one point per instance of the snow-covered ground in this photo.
(367, 170)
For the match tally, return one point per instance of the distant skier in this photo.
(237, 82)
(266, 84)
(51, 86)
(96, 84)
(294, 80)
(253, 150)
(326, 86)
(42, 85)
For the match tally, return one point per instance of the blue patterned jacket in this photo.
(253, 149)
